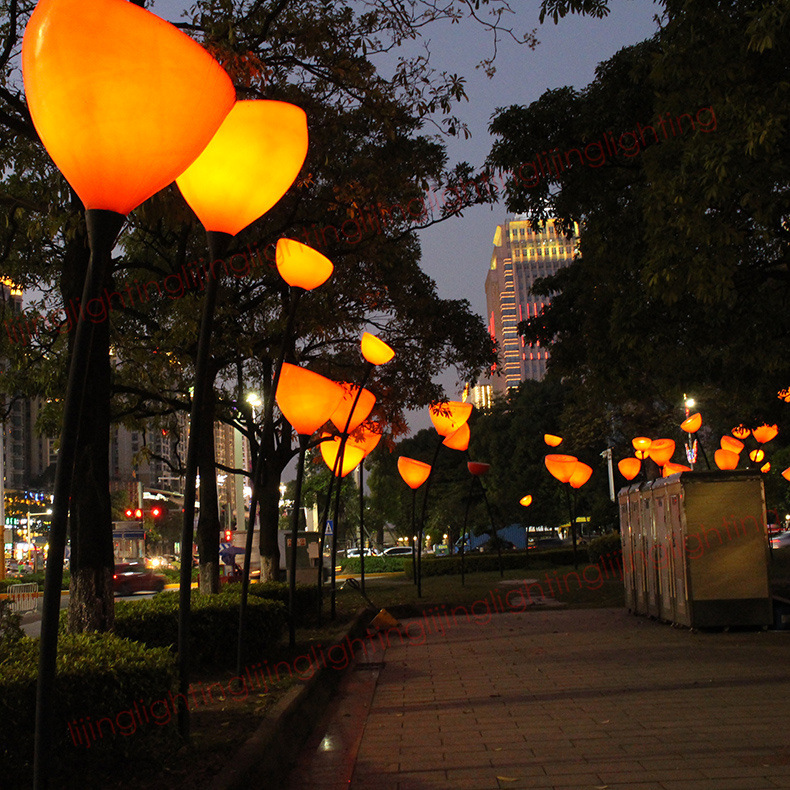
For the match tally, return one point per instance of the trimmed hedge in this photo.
(606, 546)
(101, 678)
(213, 625)
(305, 596)
(475, 562)
(375, 564)
(30, 578)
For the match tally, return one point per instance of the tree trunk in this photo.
(208, 527)
(270, 517)
(91, 605)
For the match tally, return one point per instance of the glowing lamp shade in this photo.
(248, 166)
(673, 469)
(732, 444)
(365, 404)
(580, 475)
(122, 100)
(786, 474)
(526, 500)
(561, 466)
(458, 440)
(765, 433)
(366, 437)
(757, 456)
(692, 424)
(661, 450)
(301, 266)
(641, 443)
(766, 467)
(306, 399)
(552, 440)
(352, 456)
(448, 416)
(740, 432)
(414, 473)
(375, 350)
(629, 467)
(725, 459)
(477, 468)
(640, 454)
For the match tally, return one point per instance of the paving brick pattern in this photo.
(574, 699)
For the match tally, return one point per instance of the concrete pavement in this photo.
(557, 699)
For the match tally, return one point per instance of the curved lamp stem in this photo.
(217, 244)
(422, 519)
(463, 533)
(103, 229)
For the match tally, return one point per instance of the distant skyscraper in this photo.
(520, 257)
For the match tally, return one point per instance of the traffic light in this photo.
(156, 512)
(134, 513)
(228, 536)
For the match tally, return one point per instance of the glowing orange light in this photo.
(731, 444)
(661, 450)
(301, 266)
(122, 100)
(366, 437)
(692, 424)
(365, 404)
(640, 454)
(477, 468)
(725, 459)
(740, 432)
(561, 466)
(448, 416)
(580, 475)
(629, 467)
(757, 456)
(641, 443)
(765, 433)
(784, 394)
(552, 440)
(306, 399)
(786, 474)
(352, 456)
(375, 350)
(766, 467)
(673, 469)
(526, 500)
(414, 473)
(458, 440)
(248, 166)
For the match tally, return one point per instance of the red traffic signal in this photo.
(156, 512)
(228, 535)
(134, 513)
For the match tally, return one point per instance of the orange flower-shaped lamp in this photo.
(692, 424)
(725, 459)
(580, 475)
(301, 266)
(786, 474)
(366, 437)
(765, 433)
(413, 472)
(766, 467)
(375, 350)
(661, 450)
(306, 399)
(526, 500)
(757, 456)
(641, 443)
(248, 166)
(122, 100)
(731, 443)
(740, 432)
(640, 454)
(629, 467)
(552, 440)
(561, 466)
(459, 440)
(365, 404)
(477, 468)
(673, 469)
(448, 416)
(352, 456)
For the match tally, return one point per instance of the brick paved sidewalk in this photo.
(576, 699)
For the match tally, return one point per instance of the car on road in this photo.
(134, 577)
(781, 541)
(355, 553)
(397, 551)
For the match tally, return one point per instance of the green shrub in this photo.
(100, 680)
(10, 626)
(305, 596)
(375, 564)
(606, 546)
(30, 578)
(213, 625)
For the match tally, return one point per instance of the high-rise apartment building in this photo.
(521, 256)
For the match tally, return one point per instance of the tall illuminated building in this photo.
(520, 257)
